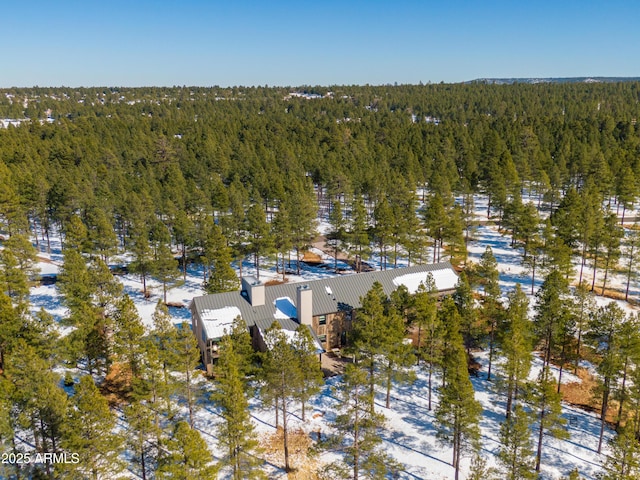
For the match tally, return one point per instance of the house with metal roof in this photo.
(325, 306)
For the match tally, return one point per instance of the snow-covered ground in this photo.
(410, 433)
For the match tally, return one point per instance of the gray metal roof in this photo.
(330, 295)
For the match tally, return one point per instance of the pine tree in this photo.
(358, 425)
(358, 237)
(623, 463)
(165, 268)
(128, 333)
(186, 456)
(517, 346)
(463, 297)
(17, 267)
(487, 272)
(88, 432)
(435, 220)
(142, 428)
(584, 305)
(236, 432)
(222, 277)
(428, 318)
(310, 368)
(282, 379)
(366, 342)
(604, 336)
(303, 211)
(338, 230)
(545, 403)
(281, 231)
(458, 412)
(632, 244)
(612, 235)
(382, 230)
(186, 355)
(398, 355)
(142, 262)
(552, 308)
(260, 239)
(516, 454)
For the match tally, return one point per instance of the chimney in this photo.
(254, 289)
(304, 304)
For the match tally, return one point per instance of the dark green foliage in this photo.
(358, 425)
(186, 456)
(458, 412)
(236, 432)
(88, 431)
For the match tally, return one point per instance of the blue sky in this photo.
(271, 42)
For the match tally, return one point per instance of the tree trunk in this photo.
(603, 413)
(540, 436)
(622, 392)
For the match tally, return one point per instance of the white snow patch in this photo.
(445, 280)
(285, 308)
(218, 322)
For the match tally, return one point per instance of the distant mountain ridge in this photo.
(509, 81)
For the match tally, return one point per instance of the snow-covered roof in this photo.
(217, 322)
(445, 280)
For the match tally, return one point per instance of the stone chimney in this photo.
(254, 289)
(304, 304)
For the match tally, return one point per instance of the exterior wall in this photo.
(196, 325)
(331, 332)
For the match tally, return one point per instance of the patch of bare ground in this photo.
(117, 384)
(44, 260)
(273, 282)
(310, 257)
(304, 466)
(580, 394)
(613, 294)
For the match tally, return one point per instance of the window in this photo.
(322, 320)
(322, 338)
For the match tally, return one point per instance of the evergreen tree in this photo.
(398, 355)
(88, 432)
(186, 457)
(127, 336)
(236, 432)
(517, 346)
(463, 297)
(338, 230)
(260, 239)
(382, 230)
(624, 461)
(366, 342)
(222, 277)
(165, 268)
(545, 402)
(427, 319)
(310, 368)
(358, 236)
(186, 355)
(604, 333)
(612, 235)
(142, 428)
(458, 412)
(552, 309)
(516, 454)
(303, 211)
(584, 305)
(358, 425)
(488, 275)
(282, 379)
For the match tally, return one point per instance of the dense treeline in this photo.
(219, 175)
